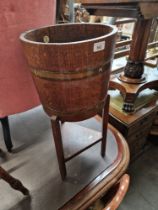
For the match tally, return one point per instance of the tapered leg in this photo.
(6, 133)
(105, 117)
(59, 146)
(14, 183)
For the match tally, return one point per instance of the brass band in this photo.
(69, 75)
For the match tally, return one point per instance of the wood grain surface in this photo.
(70, 73)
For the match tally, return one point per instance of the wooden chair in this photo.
(13, 182)
(121, 189)
(114, 196)
(6, 133)
(17, 91)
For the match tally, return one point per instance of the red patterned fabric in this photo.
(17, 91)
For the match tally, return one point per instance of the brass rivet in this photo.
(46, 39)
(100, 70)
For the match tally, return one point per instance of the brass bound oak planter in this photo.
(71, 64)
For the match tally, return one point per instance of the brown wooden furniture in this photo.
(132, 80)
(71, 67)
(117, 193)
(14, 183)
(122, 187)
(113, 198)
(17, 91)
(134, 127)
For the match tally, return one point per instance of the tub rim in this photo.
(99, 38)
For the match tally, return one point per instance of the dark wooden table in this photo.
(132, 80)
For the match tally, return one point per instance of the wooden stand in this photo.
(55, 121)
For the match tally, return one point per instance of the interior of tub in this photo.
(68, 33)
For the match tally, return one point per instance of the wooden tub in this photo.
(71, 64)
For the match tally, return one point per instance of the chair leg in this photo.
(59, 146)
(6, 133)
(105, 117)
(14, 183)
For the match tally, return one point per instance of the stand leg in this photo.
(59, 146)
(14, 183)
(105, 117)
(6, 133)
